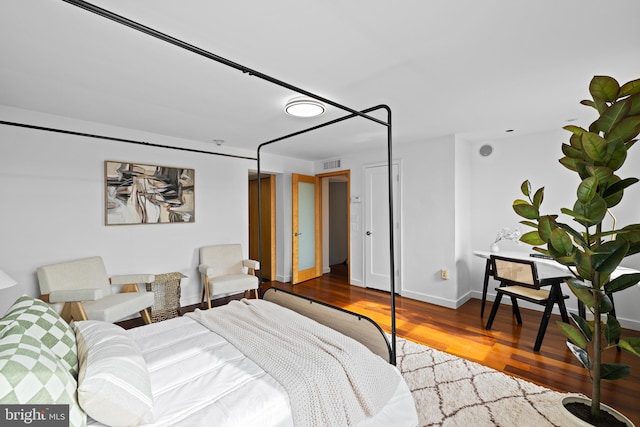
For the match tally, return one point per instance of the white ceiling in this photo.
(468, 67)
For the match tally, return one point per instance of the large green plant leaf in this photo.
(635, 104)
(573, 334)
(613, 115)
(532, 238)
(571, 152)
(595, 148)
(626, 130)
(630, 88)
(576, 141)
(546, 224)
(632, 345)
(617, 154)
(589, 103)
(583, 326)
(584, 267)
(607, 257)
(612, 329)
(615, 189)
(603, 173)
(572, 164)
(538, 197)
(604, 87)
(614, 371)
(583, 293)
(529, 224)
(589, 213)
(581, 355)
(525, 209)
(578, 217)
(631, 233)
(605, 302)
(561, 242)
(576, 130)
(619, 185)
(623, 282)
(579, 238)
(587, 189)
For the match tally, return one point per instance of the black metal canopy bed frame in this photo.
(352, 113)
(251, 72)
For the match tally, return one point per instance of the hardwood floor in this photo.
(507, 347)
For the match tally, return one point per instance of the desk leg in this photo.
(487, 274)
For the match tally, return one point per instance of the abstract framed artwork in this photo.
(136, 193)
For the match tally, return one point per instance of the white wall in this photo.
(495, 184)
(455, 201)
(52, 192)
(427, 213)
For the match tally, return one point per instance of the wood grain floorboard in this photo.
(508, 347)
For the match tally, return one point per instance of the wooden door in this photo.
(306, 235)
(268, 214)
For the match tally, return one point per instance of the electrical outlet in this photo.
(444, 274)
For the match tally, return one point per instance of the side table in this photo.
(166, 296)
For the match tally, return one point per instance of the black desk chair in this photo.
(519, 280)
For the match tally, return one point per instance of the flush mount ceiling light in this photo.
(304, 107)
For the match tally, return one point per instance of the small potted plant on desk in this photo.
(593, 253)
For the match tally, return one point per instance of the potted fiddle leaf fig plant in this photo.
(593, 252)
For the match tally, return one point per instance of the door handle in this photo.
(368, 233)
(297, 234)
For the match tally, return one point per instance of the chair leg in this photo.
(255, 291)
(494, 310)
(544, 322)
(515, 309)
(73, 311)
(146, 317)
(207, 291)
(562, 307)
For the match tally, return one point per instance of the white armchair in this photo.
(222, 269)
(85, 289)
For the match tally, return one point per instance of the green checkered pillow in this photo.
(30, 374)
(43, 323)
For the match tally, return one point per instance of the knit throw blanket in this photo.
(331, 379)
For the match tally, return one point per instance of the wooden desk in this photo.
(547, 268)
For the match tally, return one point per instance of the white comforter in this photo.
(329, 377)
(200, 379)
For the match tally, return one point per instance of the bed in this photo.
(183, 372)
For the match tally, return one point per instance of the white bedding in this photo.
(199, 379)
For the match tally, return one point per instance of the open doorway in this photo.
(336, 223)
(268, 215)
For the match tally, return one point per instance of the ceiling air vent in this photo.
(331, 164)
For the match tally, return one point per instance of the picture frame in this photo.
(138, 193)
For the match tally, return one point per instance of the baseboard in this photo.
(626, 323)
(436, 300)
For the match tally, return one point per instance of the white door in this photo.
(377, 248)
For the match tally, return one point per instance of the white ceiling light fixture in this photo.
(304, 107)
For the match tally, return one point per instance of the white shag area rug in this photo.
(451, 391)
